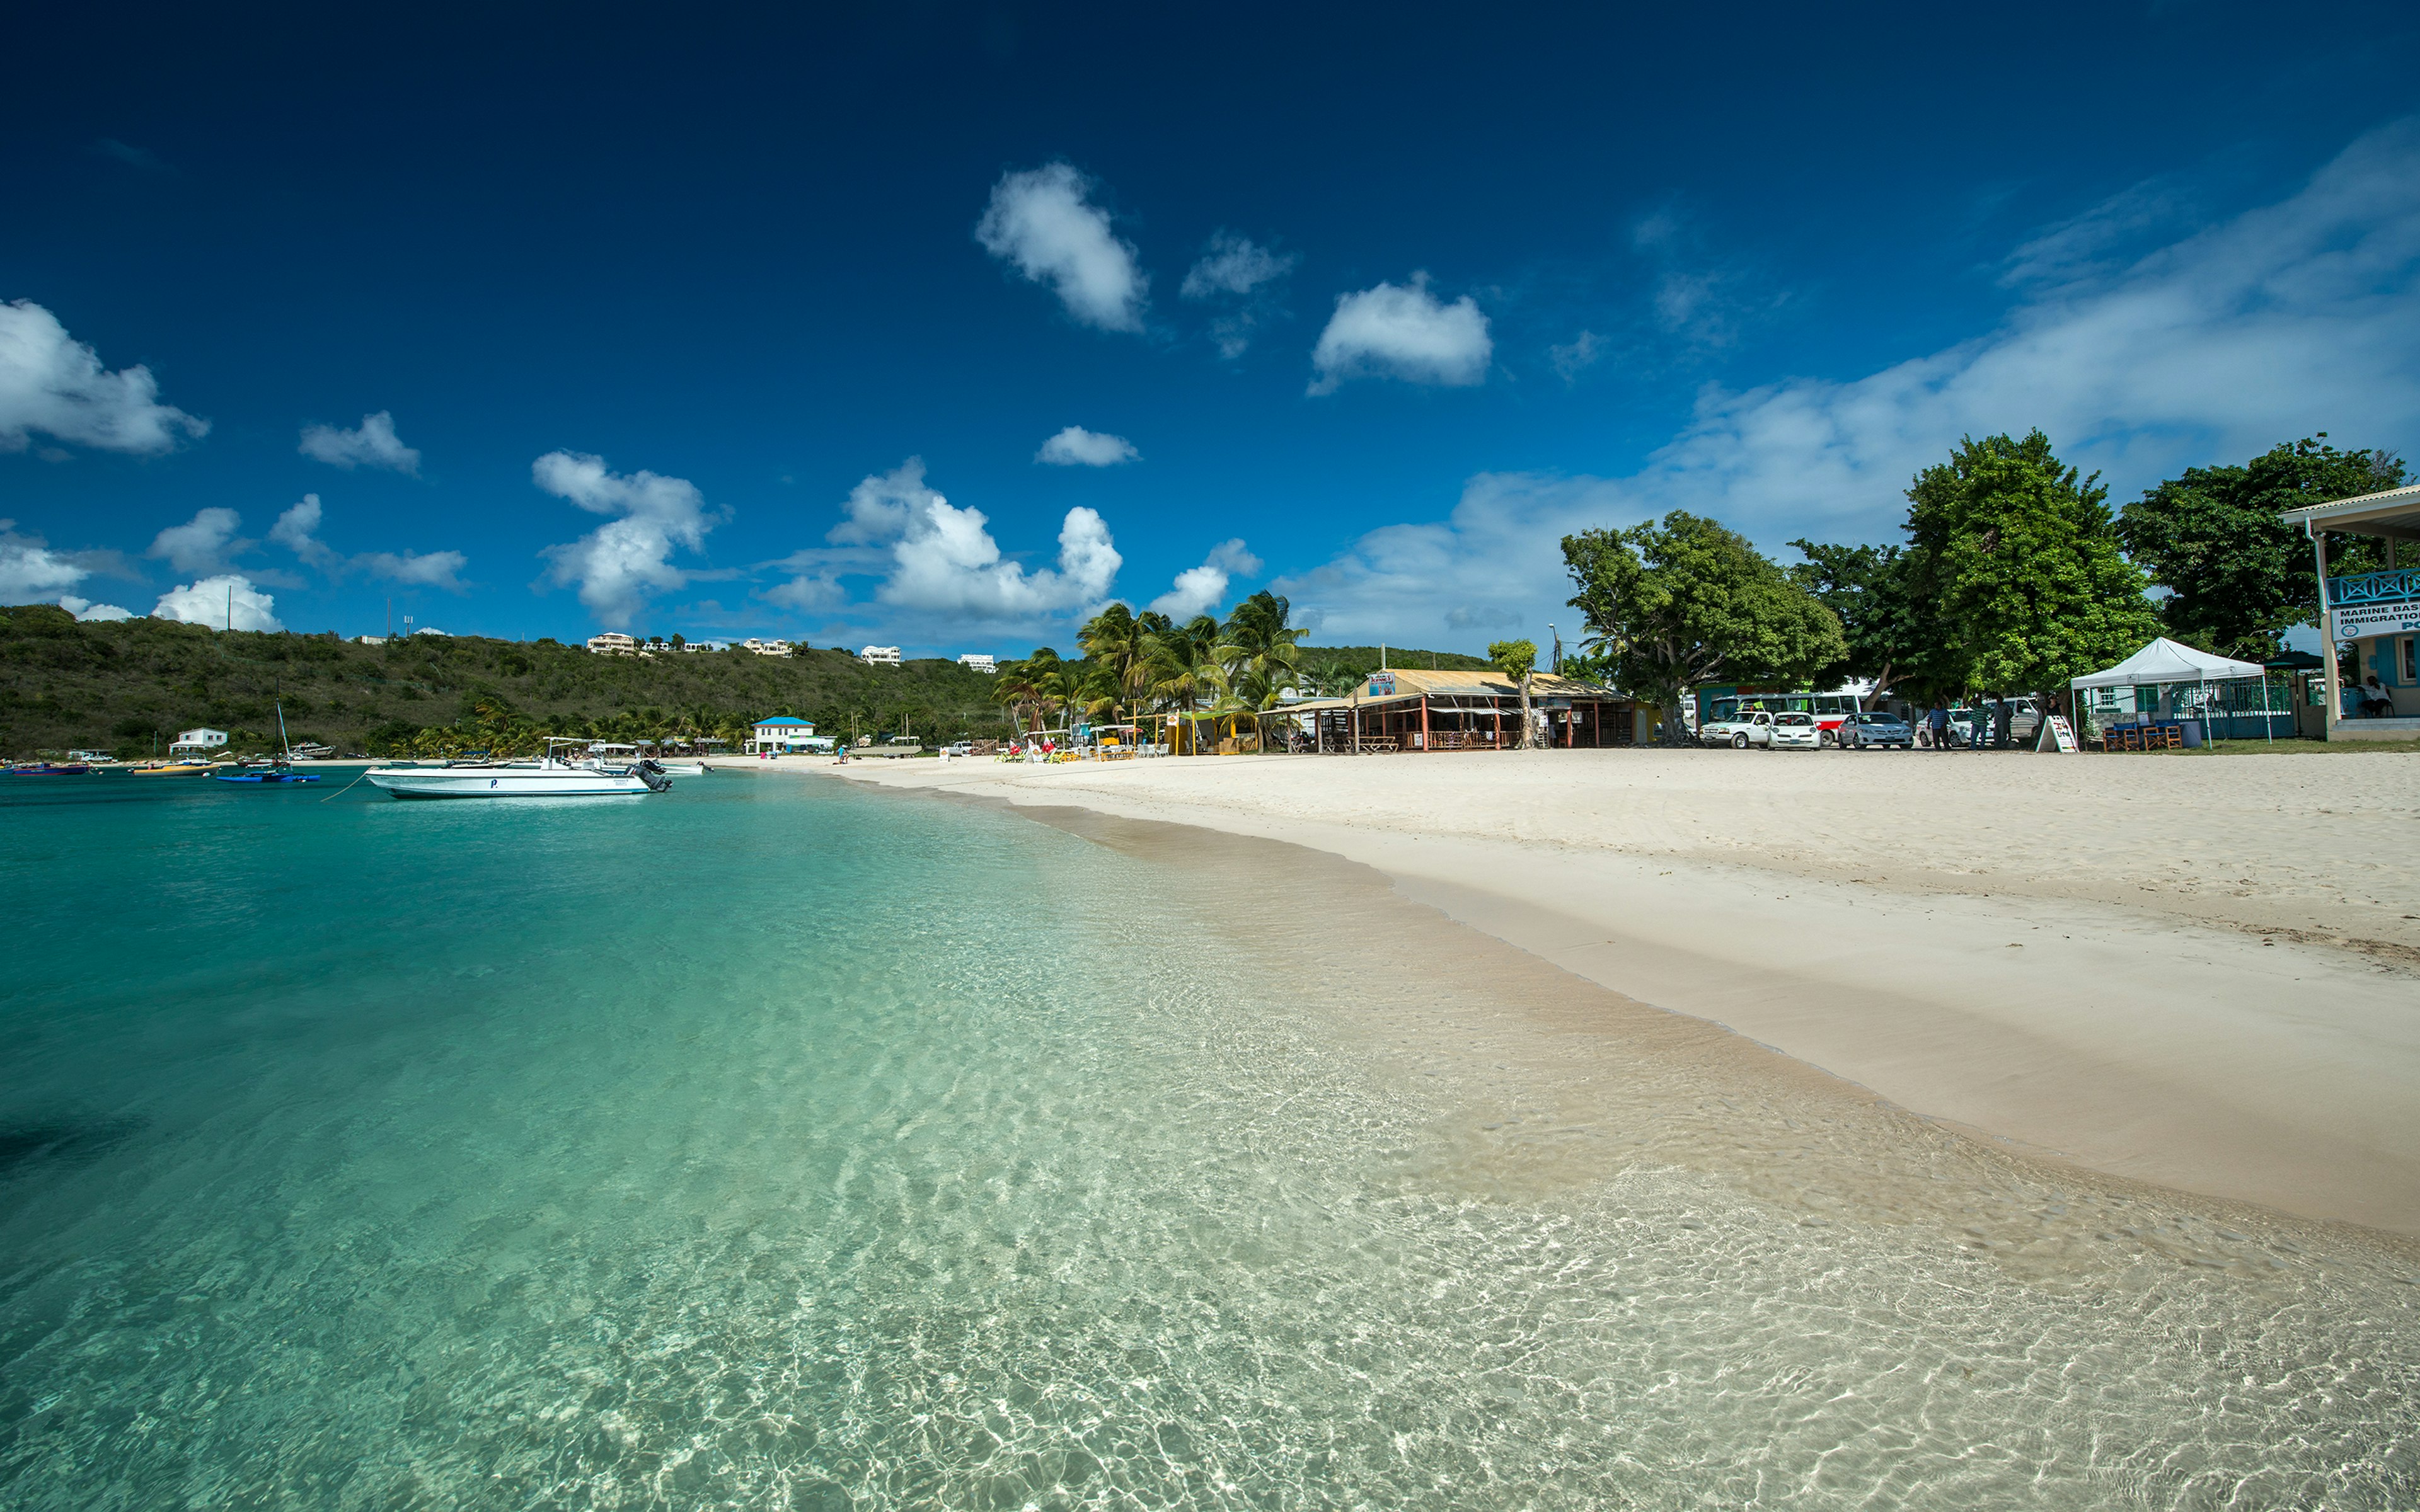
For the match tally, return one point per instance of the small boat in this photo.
(50, 769)
(171, 769)
(280, 770)
(547, 776)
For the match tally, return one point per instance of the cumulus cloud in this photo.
(1043, 220)
(30, 571)
(620, 562)
(52, 383)
(298, 530)
(204, 544)
(1200, 590)
(941, 559)
(84, 609)
(1403, 331)
(2285, 319)
(1077, 447)
(214, 600)
(373, 444)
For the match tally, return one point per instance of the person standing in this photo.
(1938, 722)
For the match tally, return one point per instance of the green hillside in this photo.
(129, 686)
(66, 685)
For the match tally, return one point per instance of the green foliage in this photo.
(1515, 659)
(1679, 601)
(2017, 564)
(116, 683)
(1882, 623)
(2237, 576)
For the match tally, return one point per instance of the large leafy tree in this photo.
(1882, 621)
(1679, 601)
(2016, 558)
(1114, 640)
(2236, 574)
(1259, 649)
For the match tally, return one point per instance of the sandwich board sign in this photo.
(2058, 733)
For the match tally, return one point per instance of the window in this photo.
(2412, 659)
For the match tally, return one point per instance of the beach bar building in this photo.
(2376, 614)
(1412, 709)
(780, 733)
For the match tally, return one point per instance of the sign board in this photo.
(2056, 730)
(1382, 684)
(2354, 622)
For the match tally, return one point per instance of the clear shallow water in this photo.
(771, 1144)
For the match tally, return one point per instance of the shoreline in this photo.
(2229, 1058)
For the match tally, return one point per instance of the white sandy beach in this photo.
(2199, 972)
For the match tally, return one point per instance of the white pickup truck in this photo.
(1752, 727)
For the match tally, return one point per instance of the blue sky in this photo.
(736, 326)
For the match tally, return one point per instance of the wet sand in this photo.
(2192, 973)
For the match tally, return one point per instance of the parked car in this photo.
(1750, 727)
(960, 747)
(1796, 731)
(1878, 730)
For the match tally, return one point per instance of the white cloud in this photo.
(1203, 589)
(213, 600)
(1399, 332)
(52, 383)
(941, 559)
(298, 530)
(1077, 447)
(202, 544)
(30, 571)
(619, 563)
(373, 444)
(2286, 319)
(1243, 275)
(423, 569)
(1234, 265)
(1042, 221)
(84, 609)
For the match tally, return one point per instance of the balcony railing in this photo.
(2375, 586)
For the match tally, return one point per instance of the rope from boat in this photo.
(346, 788)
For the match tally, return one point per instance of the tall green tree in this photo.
(1114, 640)
(1679, 601)
(1259, 649)
(1882, 621)
(2015, 558)
(2237, 574)
(1518, 660)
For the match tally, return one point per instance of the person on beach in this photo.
(1938, 722)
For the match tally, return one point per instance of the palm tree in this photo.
(1258, 651)
(1179, 671)
(1113, 639)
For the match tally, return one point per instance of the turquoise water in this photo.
(771, 1144)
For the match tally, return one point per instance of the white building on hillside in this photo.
(613, 644)
(766, 648)
(194, 742)
(783, 733)
(706, 645)
(977, 661)
(879, 655)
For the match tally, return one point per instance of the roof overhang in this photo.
(2393, 514)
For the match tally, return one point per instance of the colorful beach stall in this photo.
(2376, 694)
(1409, 708)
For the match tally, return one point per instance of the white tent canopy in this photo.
(2168, 661)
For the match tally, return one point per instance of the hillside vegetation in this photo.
(123, 685)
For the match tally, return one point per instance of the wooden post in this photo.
(2332, 701)
(1425, 722)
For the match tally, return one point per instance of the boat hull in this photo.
(503, 782)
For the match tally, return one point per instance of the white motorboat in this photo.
(547, 776)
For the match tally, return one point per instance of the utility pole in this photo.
(1556, 668)
(230, 609)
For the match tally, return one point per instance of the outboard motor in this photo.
(656, 778)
